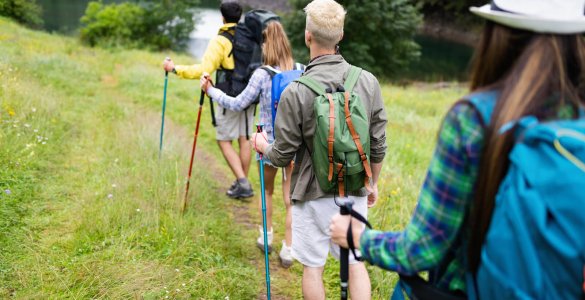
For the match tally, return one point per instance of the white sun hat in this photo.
(543, 16)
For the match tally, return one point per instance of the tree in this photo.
(378, 35)
(150, 24)
(27, 12)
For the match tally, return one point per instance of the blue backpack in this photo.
(535, 245)
(280, 80)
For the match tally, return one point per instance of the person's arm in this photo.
(211, 61)
(287, 129)
(245, 98)
(378, 121)
(443, 202)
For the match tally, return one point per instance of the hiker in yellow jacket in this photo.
(231, 125)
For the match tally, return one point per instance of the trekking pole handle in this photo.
(345, 208)
(202, 98)
(259, 130)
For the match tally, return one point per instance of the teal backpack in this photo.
(535, 245)
(342, 139)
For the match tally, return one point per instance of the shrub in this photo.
(24, 11)
(148, 24)
(378, 35)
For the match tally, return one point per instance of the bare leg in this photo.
(286, 198)
(359, 282)
(269, 175)
(313, 288)
(232, 158)
(245, 154)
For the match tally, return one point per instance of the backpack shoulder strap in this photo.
(299, 66)
(352, 78)
(312, 84)
(226, 34)
(484, 103)
(270, 70)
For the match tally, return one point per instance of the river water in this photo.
(440, 61)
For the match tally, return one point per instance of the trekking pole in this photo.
(264, 227)
(201, 98)
(344, 209)
(162, 126)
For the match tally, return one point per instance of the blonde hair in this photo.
(325, 20)
(276, 49)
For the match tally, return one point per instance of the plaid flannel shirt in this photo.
(443, 203)
(260, 85)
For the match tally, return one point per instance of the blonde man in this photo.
(294, 129)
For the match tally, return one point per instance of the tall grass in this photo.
(87, 210)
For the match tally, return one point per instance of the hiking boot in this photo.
(260, 240)
(285, 255)
(232, 187)
(242, 190)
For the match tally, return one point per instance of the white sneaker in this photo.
(286, 259)
(260, 240)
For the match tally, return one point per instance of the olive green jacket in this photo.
(295, 124)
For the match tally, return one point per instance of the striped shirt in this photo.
(260, 85)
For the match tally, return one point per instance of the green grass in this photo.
(92, 212)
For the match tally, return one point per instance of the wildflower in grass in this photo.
(34, 109)
(8, 192)
(36, 130)
(138, 209)
(26, 125)
(110, 196)
(177, 270)
(114, 185)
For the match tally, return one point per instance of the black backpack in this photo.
(246, 42)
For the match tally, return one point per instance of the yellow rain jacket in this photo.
(217, 55)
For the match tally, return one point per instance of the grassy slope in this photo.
(92, 213)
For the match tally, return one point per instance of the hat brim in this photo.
(531, 23)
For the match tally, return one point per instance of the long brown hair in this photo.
(276, 50)
(537, 74)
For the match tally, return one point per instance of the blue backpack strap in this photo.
(484, 103)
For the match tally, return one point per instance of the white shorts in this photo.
(311, 241)
(232, 124)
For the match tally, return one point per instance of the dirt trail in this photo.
(179, 138)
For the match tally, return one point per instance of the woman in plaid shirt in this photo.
(530, 73)
(277, 54)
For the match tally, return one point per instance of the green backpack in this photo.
(342, 139)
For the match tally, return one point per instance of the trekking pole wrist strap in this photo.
(350, 241)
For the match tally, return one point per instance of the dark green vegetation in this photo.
(26, 12)
(455, 12)
(378, 35)
(147, 24)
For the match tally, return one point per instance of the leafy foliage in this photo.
(147, 24)
(24, 11)
(378, 35)
(456, 11)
